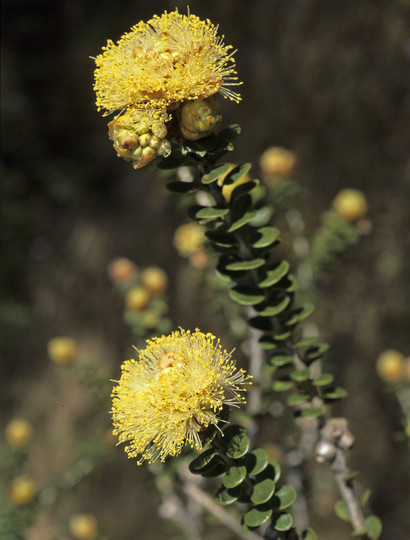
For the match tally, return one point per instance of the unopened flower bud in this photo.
(122, 270)
(277, 162)
(83, 526)
(164, 148)
(23, 490)
(18, 432)
(159, 130)
(154, 280)
(148, 154)
(199, 118)
(347, 440)
(144, 139)
(390, 365)
(325, 451)
(350, 204)
(137, 299)
(62, 350)
(155, 142)
(142, 127)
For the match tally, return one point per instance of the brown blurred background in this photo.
(328, 80)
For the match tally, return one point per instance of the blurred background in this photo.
(329, 81)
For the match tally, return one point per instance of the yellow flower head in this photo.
(162, 62)
(173, 392)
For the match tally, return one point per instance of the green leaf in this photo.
(261, 323)
(311, 412)
(275, 274)
(238, 172)
(246, 265)
(229, 133)
(300, 375)
(267, 342)
(337, 393)
(341, 510)
(323, 380)
(234, 476)
(309, 534)
(294, 400)
(235, 441)
(180, 187)
(262, 216)
(202, 462)
(281, 385)
(364, 499)
(280, 360)
(216, 173)
(283, 522)
(374, 527)
(221, 237)
(274, 309)
(211, 213)
(246, 296)
(242, 221)
(259, 459)
(301, 314)
(286, 495)
(225, 496)
(257, 515)
(267, 236)
(263, 491)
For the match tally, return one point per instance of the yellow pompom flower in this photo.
(172, 393)
(162, 62)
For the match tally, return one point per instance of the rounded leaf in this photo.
(335, 394)
(309, 534)
(267, 236)
(323, 380)
(242, 221)
(246, 265)
(294, 400)
(259, 459)
(216, 173)
(311, 412)
(211, 213)
(225, 496)
(234, 476)
(236, 442)
(203, 461)
(374, 527)
(275, 308)
(281, 385)
(341, 510)
(300, 375)
(275, 274)
(246, 296)
(284, 522)
(257, 515)
(263, 491)
(286, 495)
(280, 360)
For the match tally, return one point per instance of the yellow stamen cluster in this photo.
(173, 392)
(156, 67)
(169, 59)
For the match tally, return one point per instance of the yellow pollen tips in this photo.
(174, 391)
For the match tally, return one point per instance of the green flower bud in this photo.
(164, 148)
(199, 118)
(159, 130)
